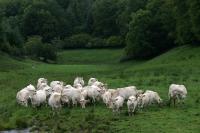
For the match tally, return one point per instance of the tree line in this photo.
(146, 28)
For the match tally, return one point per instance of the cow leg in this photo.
(174, 101)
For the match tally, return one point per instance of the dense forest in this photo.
(145, 28)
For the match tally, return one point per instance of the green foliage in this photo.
(126, 8)
(40, 22)
(60, 22)
(137, 40)
(20, 123)
(58, 43)
(87, 41)
(148, 35)
(187, 14)
(114, 41)
(11, 40)
(96, 43)
(184, 34)
(77, 41)
(37, 49)
(5, 47)
(80, 15)
(105, 14)
(194, 11)
(135, 5)
(11, 32)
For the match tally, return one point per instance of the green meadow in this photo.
(180, 65)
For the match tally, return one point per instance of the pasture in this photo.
(180, 65)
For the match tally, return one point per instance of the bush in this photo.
(58, 43)
(5, 47)
(11, 50)
(34, 47)
(87, 41)
(15, 51)
(96, 43)
(114, 41)
(150, 33)
(77, 41)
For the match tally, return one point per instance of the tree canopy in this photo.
(146, 28)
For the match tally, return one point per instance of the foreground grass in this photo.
(180, 66)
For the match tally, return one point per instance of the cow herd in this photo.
(57, 95)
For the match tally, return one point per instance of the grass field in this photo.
(180, 65)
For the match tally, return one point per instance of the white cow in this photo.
(91, 81)
(106, 97)
(55, 100)
(177, 92)
(100, 85)
(74, 95)
(148, 98)
(25, 94)
(58, 88)
(39, 98)
(79, 80)
(125, 92)
(40, 81)
(84, 92)
(48, 90)
(117, 104)
(44, 86)
(131, 105)
(54, 83)
(112, 91)
(41, 86)
(93, 92)
(78, 86)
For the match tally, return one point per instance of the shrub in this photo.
(5, 47)
(48, 52)
(15, 51)
(34, 47)
(77, 41)
(87, 41)
(58, 43)
(11, 50)
(114, 41)
(148, 34)
(96, 43)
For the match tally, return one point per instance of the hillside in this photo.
(180, 65)
(92, 56)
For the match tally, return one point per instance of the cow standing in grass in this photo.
(148, 98)
(25, 94)
(177, 92)
(79, 81)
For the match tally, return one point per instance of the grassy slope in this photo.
(181, 65)
(92, 56)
